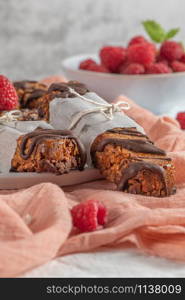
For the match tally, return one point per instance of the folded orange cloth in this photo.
(35, 224)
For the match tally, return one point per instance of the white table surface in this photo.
(109, 263)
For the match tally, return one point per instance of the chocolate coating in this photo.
(38, 135)
(63, 88)
(60, 86)
(127, 131)
(23, 83)
(138, 146)
(136, 167)
(35, 95)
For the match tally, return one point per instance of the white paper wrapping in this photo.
(27, 126)
(9, 134)
(63, 110)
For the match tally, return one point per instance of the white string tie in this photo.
(10, 116)
(106, 109)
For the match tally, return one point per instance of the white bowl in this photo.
(160, 93)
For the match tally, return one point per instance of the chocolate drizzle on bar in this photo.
(23, 84)
(29, 90)
(128, 131)
(135, 145)
(135, 167)
(38, 135)
(62, 89)
(35, 95)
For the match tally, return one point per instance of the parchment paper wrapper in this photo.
(63, 110)
(9, 134)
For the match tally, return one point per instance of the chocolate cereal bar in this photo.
(29, 92)
(48, 150)
(128, 158)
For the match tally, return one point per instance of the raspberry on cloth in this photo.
(181, 119)
(89, 215)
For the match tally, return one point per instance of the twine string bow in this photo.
(106, 109)
(10, 116)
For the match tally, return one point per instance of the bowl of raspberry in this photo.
(150, 74)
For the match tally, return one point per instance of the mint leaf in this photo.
(171, 33)
(155, 30)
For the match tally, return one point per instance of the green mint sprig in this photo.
(157, 32)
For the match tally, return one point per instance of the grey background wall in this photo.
(36, 34)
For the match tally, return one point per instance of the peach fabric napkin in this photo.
(35, 224)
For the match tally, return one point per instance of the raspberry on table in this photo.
(137, 40)
(158, 68)
(8, 94)
(178, 66)
(112, 57)
(143, 53)
(89, 215)
(171, 50)
(181, 119)
(133, 69)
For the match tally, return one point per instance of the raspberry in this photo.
(171, 50)
(181, 119)
(158, 68)
(112, 57)
(178, 66)
(133, 69)
(161, 59)
(8, 95)
(86, 64)
(91, 65)
(123, 66)
(102, 213)
(183, 58)
(137, 40)
(98, 68)
(143, 53)
(89, 215)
